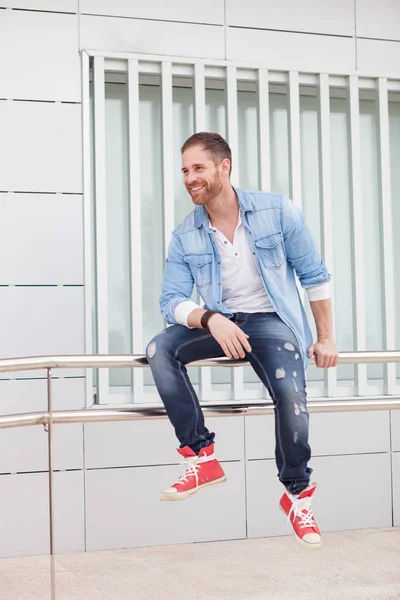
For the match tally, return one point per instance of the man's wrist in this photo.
(205, 317)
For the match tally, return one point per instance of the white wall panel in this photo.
(264, 517)
(41, 321)
(69, 512)
(70, 6)
(330, 433)
(212, 11)
(336, 18)
(279, 50)
(40, 147)
(378, 19)
(24, 520)
(153, 37)
(18, 397)
(345, 498)
(396, 488)
(349, 433)
(30, 395)
(376, 57)
(153, 442)
(41, 239)
(130, 443)
(123, 508)
(44, 61)
(14, 445)
(361, 504)
(260, 436)
(395, 422)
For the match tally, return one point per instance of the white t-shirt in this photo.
(242, 286)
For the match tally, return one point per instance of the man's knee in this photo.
(151, 349)
(159, 346)
(292, 400)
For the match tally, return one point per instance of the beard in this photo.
(208, 191)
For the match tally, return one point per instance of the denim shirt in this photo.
(281, 244)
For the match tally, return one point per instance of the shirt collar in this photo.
(201, 215)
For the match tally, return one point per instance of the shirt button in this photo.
(217, 301)
(253, 252)
(225, 242)
(218, 263)
(236, 253)
(219, 283)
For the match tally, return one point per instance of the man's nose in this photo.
(191, 178)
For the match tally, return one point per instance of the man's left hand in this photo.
(325, 352)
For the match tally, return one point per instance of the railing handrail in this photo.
(212, 409)
(33, 363)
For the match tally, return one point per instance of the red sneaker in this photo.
(299, 512)
(202, 471)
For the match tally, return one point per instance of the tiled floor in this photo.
(354, 565)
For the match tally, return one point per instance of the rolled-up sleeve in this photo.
(183, 311)
(319, 292)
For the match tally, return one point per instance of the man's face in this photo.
(201, 176)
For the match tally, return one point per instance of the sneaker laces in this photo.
(301, 509)
(191, 470)
(192, 464)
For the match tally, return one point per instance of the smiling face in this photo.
(204, 179)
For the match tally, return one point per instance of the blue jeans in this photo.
(276, 359)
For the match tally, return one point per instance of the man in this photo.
(241, 250)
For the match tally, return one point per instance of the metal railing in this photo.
(96, 414)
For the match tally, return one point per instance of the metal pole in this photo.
(51, 482)
(131, 412)
(97, 361)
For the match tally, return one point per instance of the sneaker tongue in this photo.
(207, 450)
(307, 493)
(186, 452)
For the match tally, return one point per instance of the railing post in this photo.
(51, 482)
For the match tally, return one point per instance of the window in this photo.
(328, 142)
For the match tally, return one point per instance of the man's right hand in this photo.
(233, 341)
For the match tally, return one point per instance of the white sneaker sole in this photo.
(298, 539)
(184, 495)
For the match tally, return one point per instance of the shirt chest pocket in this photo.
(200, 267)
(271, 251)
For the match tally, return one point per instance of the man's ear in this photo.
(226, 165)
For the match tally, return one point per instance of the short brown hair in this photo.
(213, 143)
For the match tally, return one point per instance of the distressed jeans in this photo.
(274, 356)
